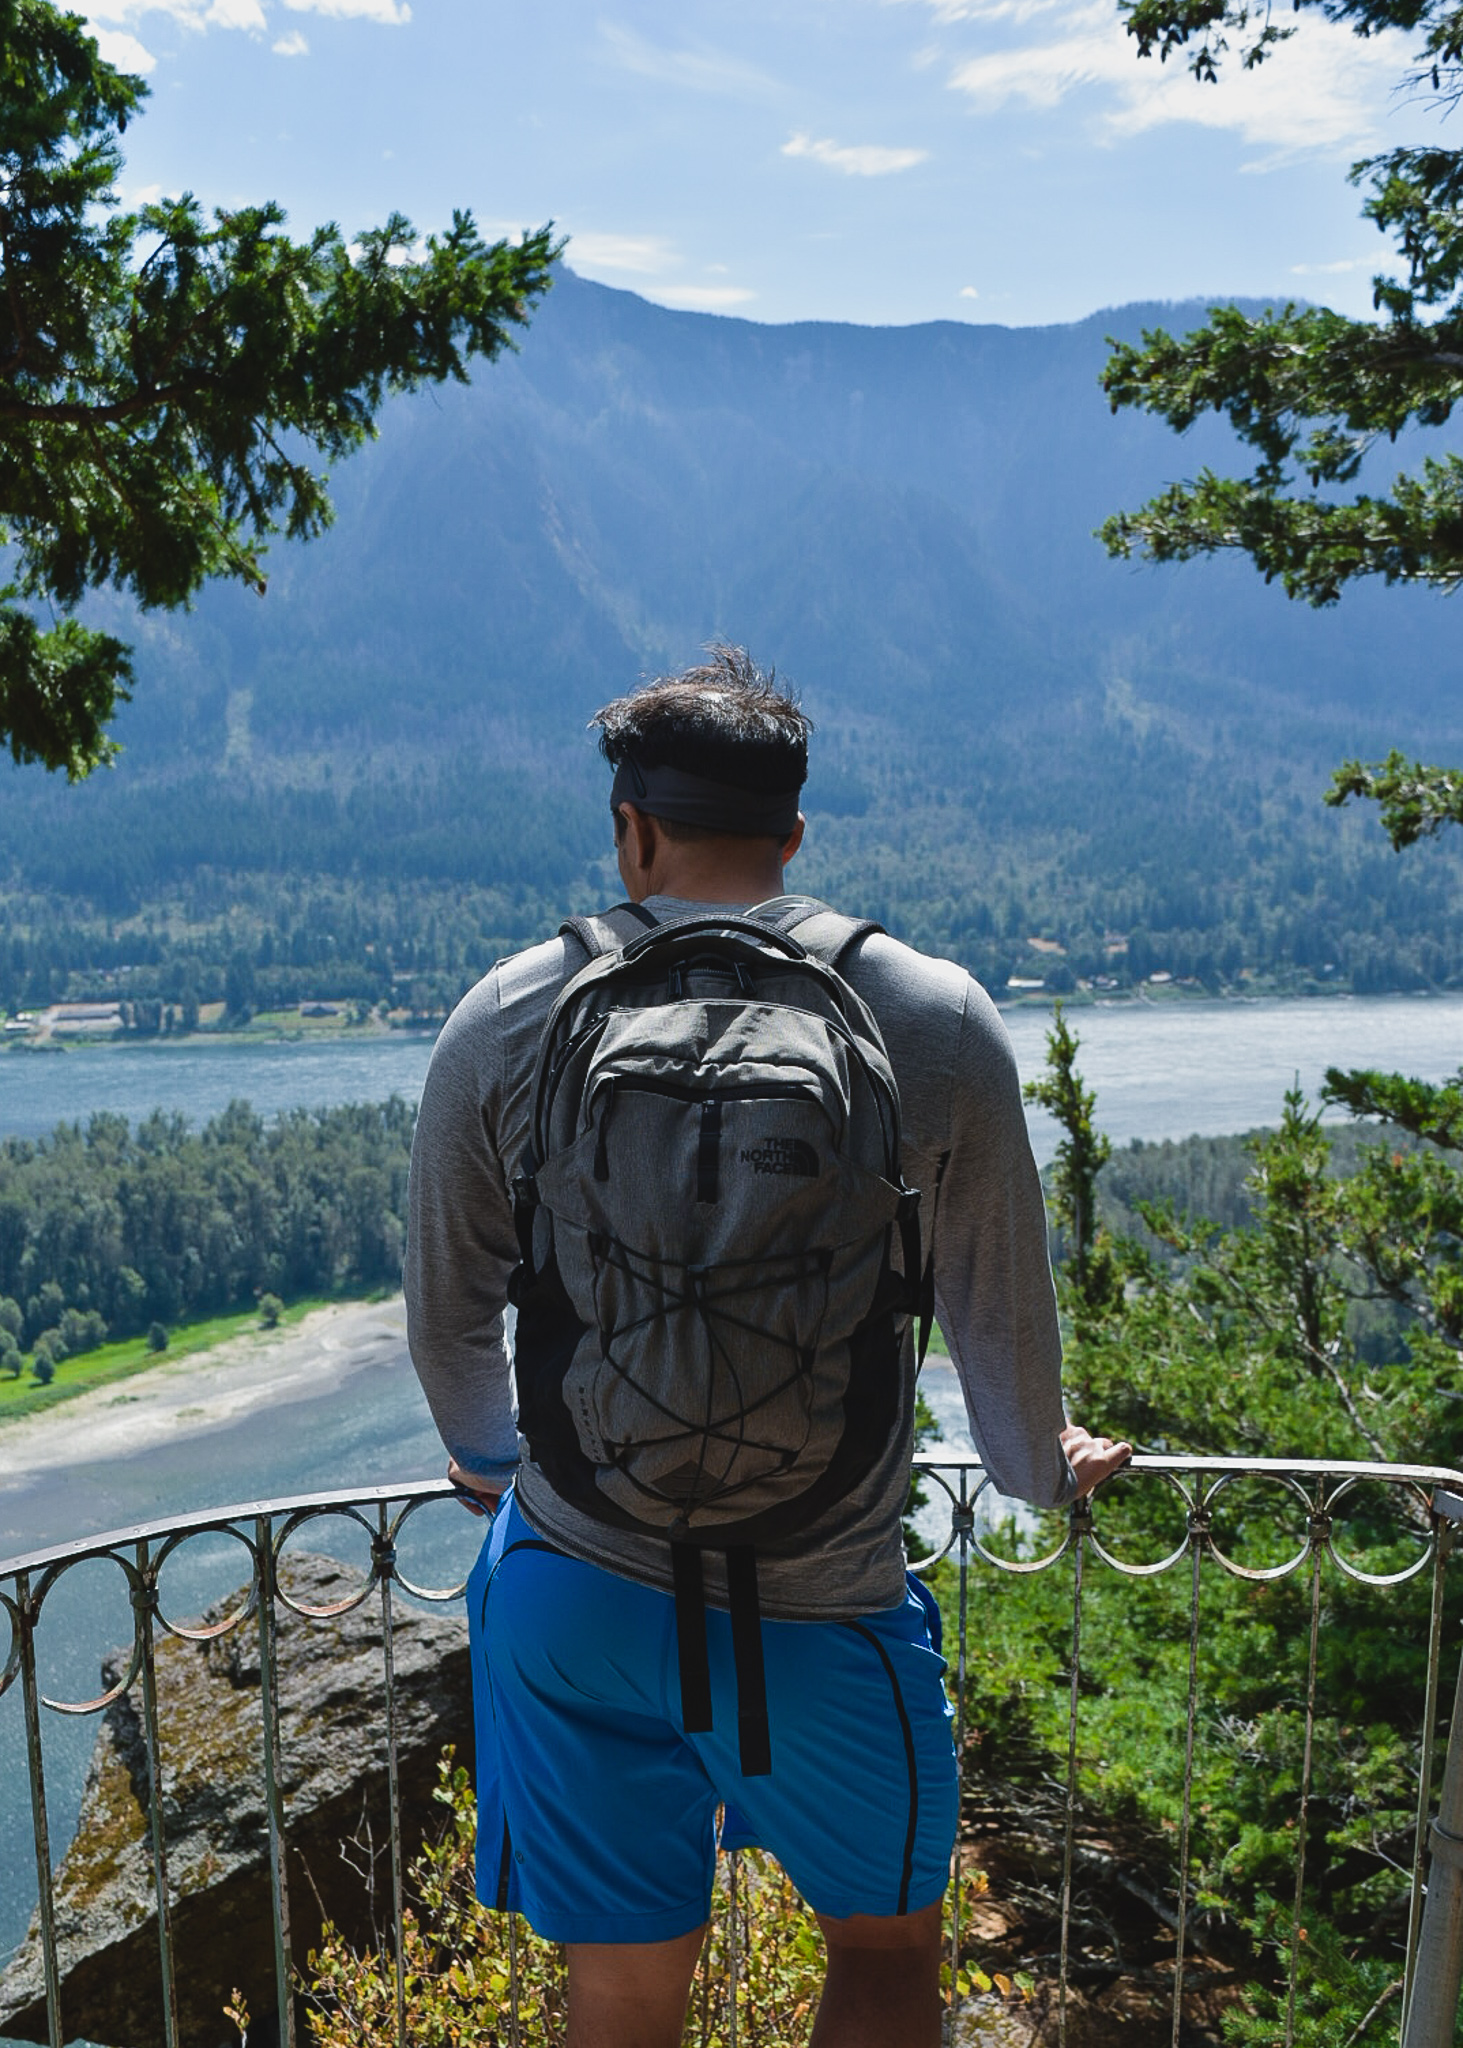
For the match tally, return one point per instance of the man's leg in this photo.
(632, 1994)
(883, 1985)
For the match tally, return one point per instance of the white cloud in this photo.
(968, 291)
(1043, 74)
(700, 298)
(1332, 269)
(110, 19)
(246, 14)
(124, 51)
(1319, 92)
(194, 14)
(855, 160)
(644, 255)
(392, 13)
(950, 11)
(700, 70)
(141, 195)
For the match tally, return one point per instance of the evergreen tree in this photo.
(167, 381)
(1311, 392)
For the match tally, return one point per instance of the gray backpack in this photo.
(719, 1255)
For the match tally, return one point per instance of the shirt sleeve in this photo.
(461, 1244)
(994, 1297)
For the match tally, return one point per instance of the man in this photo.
(596, 1807)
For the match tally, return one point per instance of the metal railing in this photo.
(1424, 1505)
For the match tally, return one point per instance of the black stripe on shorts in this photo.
(907, 1731)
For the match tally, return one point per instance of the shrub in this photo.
(461, 1960)
(157, 1337)
(50, 1346)
(271, 1308)
(82, 1330)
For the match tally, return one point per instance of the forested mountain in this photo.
(382, 769)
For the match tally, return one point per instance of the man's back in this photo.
(965, 1149)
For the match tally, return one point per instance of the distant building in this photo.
(77, 1020)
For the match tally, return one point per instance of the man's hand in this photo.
(485, 1495)
(1092, 1458)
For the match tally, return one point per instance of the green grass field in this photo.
(25, 1396)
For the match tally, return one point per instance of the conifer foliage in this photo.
(1310, 391)
(168, 383)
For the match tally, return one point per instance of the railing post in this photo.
(1446, 1508)
(733, 1957)
(1081, 1530)
(273, 1796)
(963, 1520)
(384, 1562)
(144, 1601)
(1433, 2011)
(25, 1622)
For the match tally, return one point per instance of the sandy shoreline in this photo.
(207, 1391)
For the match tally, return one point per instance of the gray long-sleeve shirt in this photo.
(961, 1102)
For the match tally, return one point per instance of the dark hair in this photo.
(723, 719)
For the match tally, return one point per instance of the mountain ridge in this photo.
(902, 520)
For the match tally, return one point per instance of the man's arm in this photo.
(993, 1285)
(461, 1247)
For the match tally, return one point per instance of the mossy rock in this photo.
(334, 1779)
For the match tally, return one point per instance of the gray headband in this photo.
(694, 800)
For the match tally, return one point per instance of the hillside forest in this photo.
(1057, 770)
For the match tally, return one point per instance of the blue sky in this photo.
(867, 160)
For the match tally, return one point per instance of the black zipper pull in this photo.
(601, 1142)
(708, 1150)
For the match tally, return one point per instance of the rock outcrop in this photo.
(333, 1772)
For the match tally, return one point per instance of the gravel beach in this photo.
(332, 1401)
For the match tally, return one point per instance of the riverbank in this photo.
(109, 1363)
(313, 1358)
(102, 1027)
(312, 1024)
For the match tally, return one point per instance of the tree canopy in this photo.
(170, 383)
(1311, 392)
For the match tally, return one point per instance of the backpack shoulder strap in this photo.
(828, 935)
(609, 929)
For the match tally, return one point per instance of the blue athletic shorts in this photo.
(597, 1812)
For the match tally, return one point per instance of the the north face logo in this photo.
(781, 1155)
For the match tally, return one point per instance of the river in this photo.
(1160, 1069)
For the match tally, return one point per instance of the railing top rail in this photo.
(1296, 1468)
(225, 1517)
(1435, 1476)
